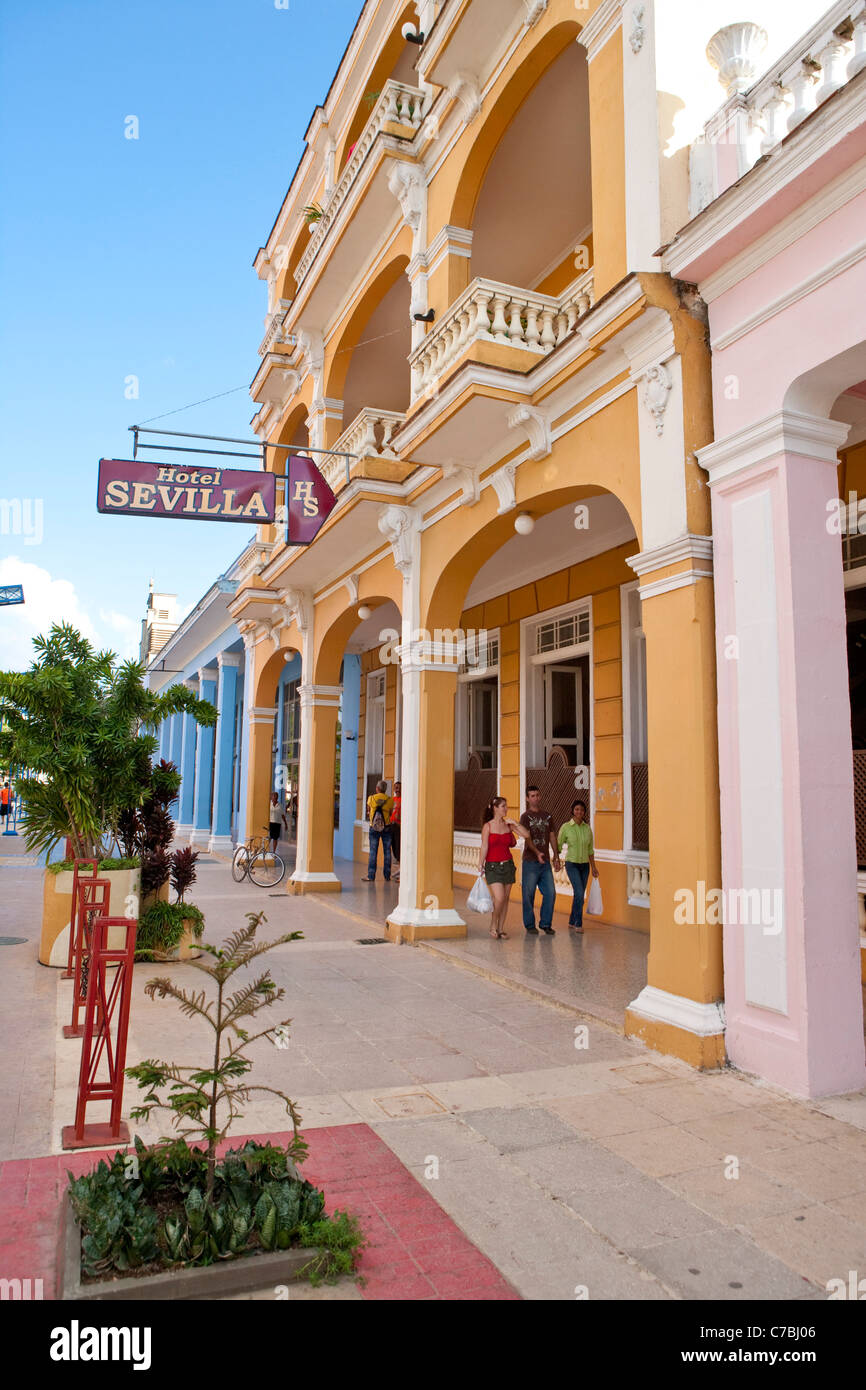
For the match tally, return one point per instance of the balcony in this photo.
(369, 438)
(531, 325)
(824, 60)
(398, 114)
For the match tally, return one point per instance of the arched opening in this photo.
(395, 62)
(359, 654)
(369, 369)
(529, 172)
(537, 185)
(551, 692)
(274, 745)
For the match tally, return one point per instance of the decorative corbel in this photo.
(534, 10)
(352, 587)
(503, 484)
(299, 607)
(657, 385)
(400, 527)
(638, 28)
(468, 479)
(313, 348)
(537, 427)
(463, 88)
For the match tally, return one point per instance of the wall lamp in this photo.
(410, 35)
(425, 318)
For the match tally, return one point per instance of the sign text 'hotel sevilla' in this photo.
(131, 488)
(191, 493)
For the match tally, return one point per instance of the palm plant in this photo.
(81, 721)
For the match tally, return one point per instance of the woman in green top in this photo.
(576, 835)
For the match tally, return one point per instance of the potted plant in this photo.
(78, 719)
(171, 931)
(313, 213)
(180, 1220)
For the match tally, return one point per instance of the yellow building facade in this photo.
(465, 298)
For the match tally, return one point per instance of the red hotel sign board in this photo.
(191, 493)
(309, 500)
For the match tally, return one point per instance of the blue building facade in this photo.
(213, 658)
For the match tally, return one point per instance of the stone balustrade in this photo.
(488, 311)
(370, 433)
(819, 64)
(368, 436)
(398, 104)
(275, 327)
(638, 881)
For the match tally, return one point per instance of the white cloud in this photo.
(46, 601)
(126, 632)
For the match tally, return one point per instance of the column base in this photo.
(419, 925)
(221, 844)
(183, 833)
(678, 1026)
(314, 883)
(200, 836)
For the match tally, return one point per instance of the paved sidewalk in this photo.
(28, 1003)
(572, 1157)
(600, 972)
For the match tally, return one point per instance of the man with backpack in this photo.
(379, 808)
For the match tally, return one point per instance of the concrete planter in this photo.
(188, 947)
(57, 910)
(220, 1280)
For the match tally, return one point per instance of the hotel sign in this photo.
(309, 501)
(190, 493)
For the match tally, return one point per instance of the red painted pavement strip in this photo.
(415, 1250)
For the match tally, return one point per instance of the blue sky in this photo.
(123, 258)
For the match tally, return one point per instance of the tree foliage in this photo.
(81, 720)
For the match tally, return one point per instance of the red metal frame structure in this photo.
(77, 870)
(108, 1001)
(92, 900)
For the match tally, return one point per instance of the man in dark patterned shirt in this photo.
(536, 873)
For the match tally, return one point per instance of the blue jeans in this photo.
(537, 875)
(579, 875)
(375, 837)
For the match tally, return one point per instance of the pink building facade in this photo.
(777, 249)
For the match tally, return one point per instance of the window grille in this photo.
(553, 636)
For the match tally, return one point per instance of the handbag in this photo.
(480, 898)
(594, 905)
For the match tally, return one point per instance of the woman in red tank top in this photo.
(496, 864)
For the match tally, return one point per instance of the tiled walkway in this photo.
(570, 1156)
(600, 972)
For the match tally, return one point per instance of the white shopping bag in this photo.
(479, 899)
(594, 904)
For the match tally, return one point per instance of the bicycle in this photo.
(256, 861)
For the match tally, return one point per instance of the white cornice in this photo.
(785, 432)
(813, 282)
(840, 116)
(601, 26)
(816, 210)
(688, 547)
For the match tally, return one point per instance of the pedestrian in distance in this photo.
(396, 827)
(498, 838)
(576, 836)
(536, 874)
(277, 819)
(379, 808)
